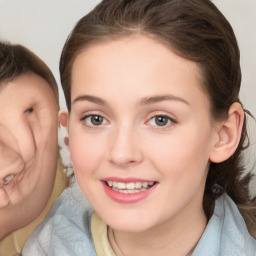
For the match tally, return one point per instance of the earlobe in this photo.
(66, 141)
(228, 134)
(63, 117)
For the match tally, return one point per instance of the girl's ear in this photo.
(228, 134)
(63, 119)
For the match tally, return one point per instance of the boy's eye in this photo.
(94, 120)
(160, 121)
(29, 110)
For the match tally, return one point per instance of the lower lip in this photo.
(127, 198)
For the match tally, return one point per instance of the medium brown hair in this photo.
(16, 60)
(195, 30)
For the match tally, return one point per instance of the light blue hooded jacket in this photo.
(66, 230)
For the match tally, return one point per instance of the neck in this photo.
(176, 237)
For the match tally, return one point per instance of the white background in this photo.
(43, 26)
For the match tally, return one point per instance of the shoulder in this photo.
(235, 234)
(226, 232)
(66, 229)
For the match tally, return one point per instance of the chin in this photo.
(128, 223)
(129, 227)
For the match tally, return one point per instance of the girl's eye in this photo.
(161, 121)
(94, 120)
(29, 110)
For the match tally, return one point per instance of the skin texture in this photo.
(28, 146)
(128, 83)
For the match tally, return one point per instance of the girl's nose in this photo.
(125, 148)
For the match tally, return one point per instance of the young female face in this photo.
(140, 133)
(28, 147)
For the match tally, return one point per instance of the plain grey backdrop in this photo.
(43, 26)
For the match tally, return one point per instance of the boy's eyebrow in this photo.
(89, 98)
(158, 98)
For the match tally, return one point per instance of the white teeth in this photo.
(138, 184)
(121, 185)
(8, 179)
(131, 187)
(115, 189)
(131, 191)
(145, 184)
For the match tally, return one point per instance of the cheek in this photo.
(9, 158)
(9, 149)
(85, 153)
(37, 137)
(183, 156)
(26, 141)
(44, 124)
(45, 136)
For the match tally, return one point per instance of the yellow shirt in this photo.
(100, 236)
(103, 238)
(14, 242)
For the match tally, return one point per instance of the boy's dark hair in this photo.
(16, 60)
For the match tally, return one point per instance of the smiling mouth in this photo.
(130, 187)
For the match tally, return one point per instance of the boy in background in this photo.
(28, 145)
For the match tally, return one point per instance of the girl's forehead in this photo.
(130, 56)
(133, 60)
(135, 68)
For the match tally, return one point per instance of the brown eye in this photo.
(94, 120)
(29, 110)
(161, 121)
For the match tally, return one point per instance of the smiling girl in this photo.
(156, 131)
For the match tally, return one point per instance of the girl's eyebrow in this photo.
(89, 98)
(158, 98)
(143, 101)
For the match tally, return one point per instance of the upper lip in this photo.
(127, 180)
